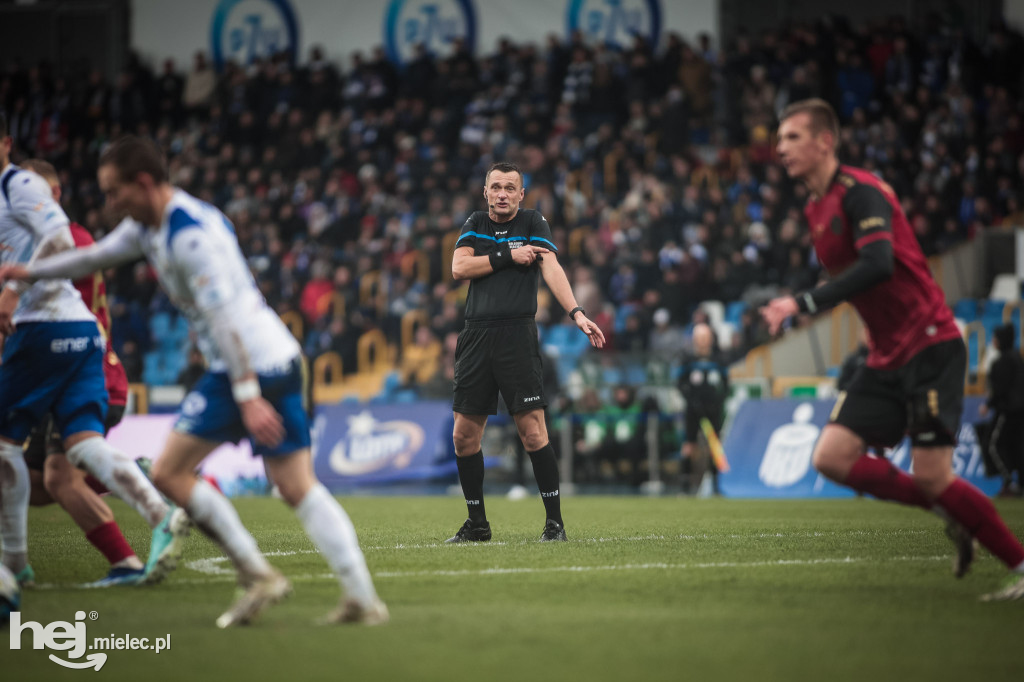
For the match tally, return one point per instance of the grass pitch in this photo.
(646, 589)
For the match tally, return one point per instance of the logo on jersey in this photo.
(369, 445)
(244, 30)
(193, 404)
(434, 24)
(615, 22)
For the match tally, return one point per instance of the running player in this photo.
(913, 380)
(253, 387)
(54, 479)
(53, 364)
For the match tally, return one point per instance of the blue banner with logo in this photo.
(770, 443)
(363, 444)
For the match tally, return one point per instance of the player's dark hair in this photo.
(132, 155)
(3, 125)
(823, 116)
(504, 167)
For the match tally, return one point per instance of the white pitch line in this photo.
(642, 538)
(226, 575)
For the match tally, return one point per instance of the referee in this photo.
(501, 252)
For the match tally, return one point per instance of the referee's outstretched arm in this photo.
(558, 283)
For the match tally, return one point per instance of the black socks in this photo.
(471, 475)
(545, 469)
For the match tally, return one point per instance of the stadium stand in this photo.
(346, 198)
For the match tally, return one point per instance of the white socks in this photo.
(216, 516)
(121, 476)
(330, 529)
(14, 493)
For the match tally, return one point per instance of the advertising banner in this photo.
(376, 444)
(770, 443)
(242, 30)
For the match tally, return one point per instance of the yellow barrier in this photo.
(1009, 309)
(370, 285)
(410, 321)
(848, 314)
(296, 325)
(782, 385)
(447, 253)
(976, 387)
(373, 352)
(140, 394)
(416, 262)
(760, 354)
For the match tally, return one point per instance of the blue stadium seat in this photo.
(392, 382)
(734, 311)
(966, 309)
(636, 375)
(993, 308)
(622, 314)
(973, 354)
(159, 369)
(612, 376)
(405, 396)
(159, 327)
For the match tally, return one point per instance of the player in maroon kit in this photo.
(54, 478)
(913, 380)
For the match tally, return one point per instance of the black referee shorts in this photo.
(923, 399)
(495, 356)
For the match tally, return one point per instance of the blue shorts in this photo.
(209, 410)
(53, 367)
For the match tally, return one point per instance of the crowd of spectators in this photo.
(653, 166)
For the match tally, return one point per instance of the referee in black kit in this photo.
(501, 252)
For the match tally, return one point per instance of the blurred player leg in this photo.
(119, 473)
(14, 496)
(68, 487)
(216, 517)
(331, 530)
(933, 471)
(841, 456)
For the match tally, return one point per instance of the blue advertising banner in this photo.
(770, 443)
(376, 444)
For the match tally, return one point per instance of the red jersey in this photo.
(904, 314)
(94, 293)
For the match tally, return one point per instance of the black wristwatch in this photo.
(577, 309)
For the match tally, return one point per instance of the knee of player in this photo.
(932, 480)
(834, 464)
(533, 440)
(58, 477)
(465, 444)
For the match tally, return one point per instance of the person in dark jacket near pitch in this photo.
(1006, 402)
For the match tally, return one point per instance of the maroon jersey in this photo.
(903, 314)
(94, 293)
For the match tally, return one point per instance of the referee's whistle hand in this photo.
(526, 255)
